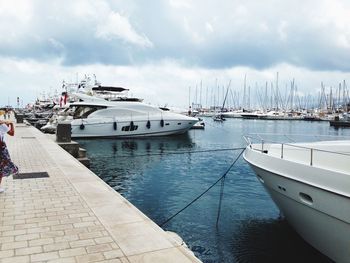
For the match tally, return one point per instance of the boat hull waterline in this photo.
(85, 129)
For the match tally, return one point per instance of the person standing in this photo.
(7, 167)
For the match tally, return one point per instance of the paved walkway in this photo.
(72, 216)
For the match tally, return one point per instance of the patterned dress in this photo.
(7, 167)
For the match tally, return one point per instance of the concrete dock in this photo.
(72, 215)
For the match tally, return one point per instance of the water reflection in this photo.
(119, 161)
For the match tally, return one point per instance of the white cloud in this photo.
(282, 30)
(209, 27)
(56, 44)
(180, 3)
(18, 10)
(116, 25)
(15, 18)
(336, 15)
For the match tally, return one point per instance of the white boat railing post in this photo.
(311, 152)
(282, 151)
(262, 146)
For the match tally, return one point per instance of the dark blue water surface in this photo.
(250, 227)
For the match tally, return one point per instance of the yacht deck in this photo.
(330, 155)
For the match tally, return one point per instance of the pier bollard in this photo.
(63, 139)
(63, 132)
(19, 118)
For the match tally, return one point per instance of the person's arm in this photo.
(11, 132)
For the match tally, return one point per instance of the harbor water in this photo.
(162, 175)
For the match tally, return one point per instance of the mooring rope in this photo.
(220, 200)
(204, 192)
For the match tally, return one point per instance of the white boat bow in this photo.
(310, 183)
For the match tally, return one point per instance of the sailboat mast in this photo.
(244, 91)
(276, 97)
(223, 104)
(200, 95)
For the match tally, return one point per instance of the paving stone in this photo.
(102, 240)
(56, 246)
(82, 243)
(98, 248)
(28, 251)
(116, 253)
(66, 238)
(13, 245)
(72, 252)
(6, 239)
(62, 260)
(7, 253)
(90, 258)
(43, 256)
(13, 233)
(17, 259)
(41, 241)
(57, 233)
(27, 237)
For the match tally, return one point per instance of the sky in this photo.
(163, 49)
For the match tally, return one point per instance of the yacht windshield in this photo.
(83, 111)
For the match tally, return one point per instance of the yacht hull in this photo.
(91, 129)
(319, 216)
(323, 231)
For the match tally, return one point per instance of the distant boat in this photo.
(337, 122)
(200, 125)
(219, 117)
(277, 115)
(311, 117)
(253, 115)
(310, 183)
(232, 114)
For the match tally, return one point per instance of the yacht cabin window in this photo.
(85, 110)
(130, 128)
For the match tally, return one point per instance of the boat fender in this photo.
(131, 125)
(161, 123)
(148, 125)
(115, 125)
(82, 126)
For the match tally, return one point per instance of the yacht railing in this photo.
(258, 143)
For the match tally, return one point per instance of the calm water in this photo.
(250, 228)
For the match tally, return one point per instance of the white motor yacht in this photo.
(96, 117)
(233, 114)
(310, 183)
(253, 115)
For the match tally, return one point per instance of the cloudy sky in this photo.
(160, 48)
